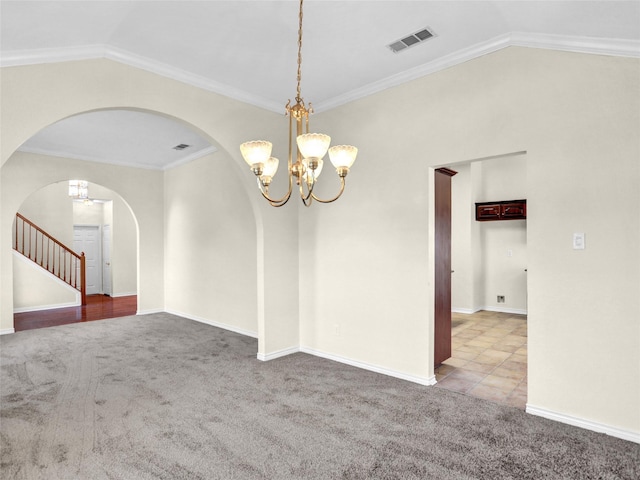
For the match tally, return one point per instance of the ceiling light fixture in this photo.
(311, 147)
(78, 188)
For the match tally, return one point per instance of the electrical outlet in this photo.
(500, 298)
(336, 329)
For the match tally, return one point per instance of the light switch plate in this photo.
(578, 241)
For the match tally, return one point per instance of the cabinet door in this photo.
(488, 212)
(513, 210)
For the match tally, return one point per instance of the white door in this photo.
(87, 240)
(106, 259)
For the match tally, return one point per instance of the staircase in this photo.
(52, 255)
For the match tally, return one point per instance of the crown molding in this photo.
(599, 46)
(89, 52)
(145, 166)
(37, 56)
(165, 70)
(442, 63)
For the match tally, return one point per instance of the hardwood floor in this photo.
(98, 307)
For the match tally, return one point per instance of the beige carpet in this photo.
(160, 396)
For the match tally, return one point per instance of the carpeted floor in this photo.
(160, 396)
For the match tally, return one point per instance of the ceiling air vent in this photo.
(182, 146)
(411, 40)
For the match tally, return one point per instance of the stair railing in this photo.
(51, 254)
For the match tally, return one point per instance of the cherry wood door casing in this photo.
(442, 317)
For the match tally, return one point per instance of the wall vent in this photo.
(411, 40)
(182, 146)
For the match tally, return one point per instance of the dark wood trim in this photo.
(442, 288)
(446, 171)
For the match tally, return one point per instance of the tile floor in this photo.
(489, 357)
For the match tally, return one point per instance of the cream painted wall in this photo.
(88, 214)
(36, 96)
(210, 240)
(504, 243)
(51, 208)
(34, 289)
(505, 254)
(464, 242)
(577, 116)
(124, 257)
(116, 213)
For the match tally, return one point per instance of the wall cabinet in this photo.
(505, 210)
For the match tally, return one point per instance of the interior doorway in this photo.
(86, 239)
(102, 227)
(489, 287)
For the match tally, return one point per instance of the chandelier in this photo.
(311, 148)
(79, 189)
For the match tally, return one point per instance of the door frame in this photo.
(442, 181)
(431, 260)
(107, 281)
(99, 251)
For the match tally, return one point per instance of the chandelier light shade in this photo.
(269, 170)
(313, 145)
(310, 149)
(343, 156)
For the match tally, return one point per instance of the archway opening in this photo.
(50, 226)
(225, 246)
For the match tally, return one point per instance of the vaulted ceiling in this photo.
(248, 49)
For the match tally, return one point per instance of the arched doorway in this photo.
(103, 227)
(71, 90)
(197, 267)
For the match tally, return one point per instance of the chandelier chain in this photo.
(298, 97)
(310, 148)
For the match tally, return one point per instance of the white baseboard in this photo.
(373, 368)
(213, 323)
(7, 331)
(469, 311)
(586, 424)
(515, 311)
(466, 311)
(129, 294)
(77, 303)
(149, 311)
(280, 353)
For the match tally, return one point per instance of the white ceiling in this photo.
(120, 137)
(247, 49)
